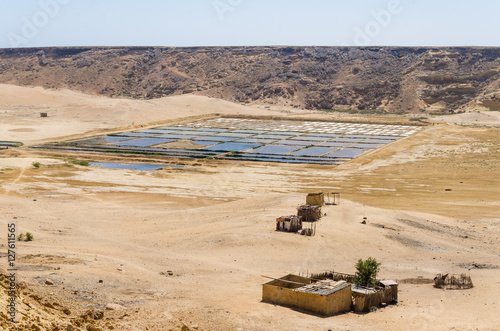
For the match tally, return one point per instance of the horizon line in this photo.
(248, 46)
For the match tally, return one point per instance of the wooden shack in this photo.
(317, 199)
(391, 290)
(310, 213)
(289, 223)
(364, 298)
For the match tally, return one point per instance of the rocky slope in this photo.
(35, 312)
(382, 79)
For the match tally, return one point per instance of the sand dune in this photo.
(71, 113)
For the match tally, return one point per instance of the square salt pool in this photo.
(143, 142)
(349, 153)
(230, 147)
(276, 149)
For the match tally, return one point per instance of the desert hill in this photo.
(373, 79)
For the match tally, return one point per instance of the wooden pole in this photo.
(286, 281)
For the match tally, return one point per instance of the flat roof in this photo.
(323, 287)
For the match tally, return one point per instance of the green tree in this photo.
(366, 272)
(20, 237)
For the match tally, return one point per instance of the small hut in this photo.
(326, 297)
(317, 199)
(390, 290)
(309, 213)
(289, 223)
(364, 298)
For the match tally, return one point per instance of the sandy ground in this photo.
(484, 118)
(211, 223)
(72, 114)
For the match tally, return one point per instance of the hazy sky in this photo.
(34, 23)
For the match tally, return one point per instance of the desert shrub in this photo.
(82, 163)
(417, 119)
(29, 236)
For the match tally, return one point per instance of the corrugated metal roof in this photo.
(363, 290)
(324, 287)
(388, 282)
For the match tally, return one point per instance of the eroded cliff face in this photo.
(384, 79)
